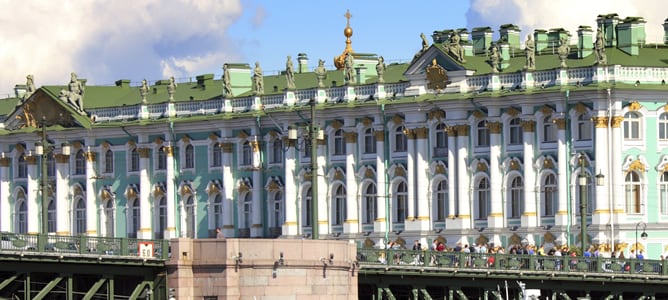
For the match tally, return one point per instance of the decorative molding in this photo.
(462, 130)
(436, 114)
(185, 139)
(242, 135)
(5, 161)
(514, 164)
(380, 135)
(366, 121)
(514, 112)
(528, 125)
(561, 123)
(31, 160)
(105, 145)
(159, 141)
(213, 136)
(617, 121)
(368, 173)
(479, 115)
(144, 152)
(338, 175)
(634, 106)
(350, 137)
(410, 133)
(421, 133)
(600, 122)
(397, 120)
(481, 167)
(451, 130)
(494, 127)
(400, 172)
(439, 169)
(227, 147)
(336, 124)
(546, 110)
(580, 108)
(637, 165)
(169, 151)
(548, 163)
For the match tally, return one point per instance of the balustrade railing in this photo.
(516, 262)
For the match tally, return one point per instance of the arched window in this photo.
(306, 208)
(516, 197)
(584, 127)
(276, 151)
(441, 146)
(247, 211)
(109, 161)
(369, 141)
(190, 157)
(162, 158)
(51, 216)
(22, 166)
(246, 154)
(369, 204)
(482, 199)
(633, 192)
(80, 163)
(21, 216)
(135, 217)
(515, 132)
(441, 198)
(134, 160)
(663, 193)
(631, 126)
(216, 155)
(339, 206)
(401, 201)
(663, 126)
(190, 216)
(482, 134)
(161, 220)
(218, 211)
(400, 140)
(550, 195)
(549, 130)
(79, 217)
(109, 218)
(277, 210)
(339, 143)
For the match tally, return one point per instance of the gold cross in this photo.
(348, 16)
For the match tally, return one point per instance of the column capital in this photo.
(561, 123)
(144, 152)
(380, 135)
(227, 147)
(462, 130)
(31, 160)
(410, 133)
(451, 131)
(90, 156)
(169, 150)
(600, 122)
(62, 158)
(5, 161)
(255, 146)
(350, 136)
(494, 127)
(421, 132)
(528, 125)
(617, 121)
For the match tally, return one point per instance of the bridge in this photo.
(407, 274)
(81, 267)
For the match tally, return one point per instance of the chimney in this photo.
(510, 34)
(482, 39)
(540, 38)
(123, 83)
(631, 35)
(608, 23)
(302, 60)
(204, 80)
(585, 42)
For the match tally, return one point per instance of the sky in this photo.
(104, 41)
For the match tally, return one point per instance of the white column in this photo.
(495, 218)
(256, 205)
(145, 226)
(323, 213)
(410, 177)
(290, 227)
(228, 197)
(379, 225)
(561, 217)
(528, 218)
(33, 196)
(5, 193)
(92, 204)
(452, 175)
(617, 174)
(170, 197)
(463, 187)
(422, 181)
(62, 194)
(351, 224)
(601, 215)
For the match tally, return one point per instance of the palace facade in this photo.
(475, 140)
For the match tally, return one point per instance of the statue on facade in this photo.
(599, 48)
(227, 84)
(143, 91)
(321, 73)
(74, 93)
(380, 69)
(171, 88)
(349, 68)
(290, 73)
(530, 50)
(258, 80)
(425, 42)
(454, 48)
(563, 51)
(494, 58)
(30, 87)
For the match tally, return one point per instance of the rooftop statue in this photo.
(599, 48)
(227, 85)
(494, 58)
(143, 91)
(321, 73)
(258, 80)
(454, 48)
(349, 69)
(530, 49)
(425, 43)
(563, 51)
(74, 93)
(171, 88)
(380, 69)
(30, 87)
(290, 74)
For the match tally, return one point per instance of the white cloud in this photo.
(102, 40)
(568, 14)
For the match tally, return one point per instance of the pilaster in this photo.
(382, 219)
(5, 222)
(410, 178)
(601, 215)
(617, 174)
(228, 183)
(422, 181)
(290, 227)
(495, 218)
(33, 195)
(62, 194)
(170, 230)
(452, 176)
(463, 178)
(91, 195)
(561, 216)
(529, 216)
(351, 224)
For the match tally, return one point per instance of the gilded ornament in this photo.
(440, 169)
(514, 165)
(478, 115)
(580, 108)
(637, 165)
(634, 106)
(367, 121)
(144, 152)
(397, 120)
(481, 167)
(338, 175)
(514, 112)
(351, 137)
(617, 121)
(336, 124)
(242, 135)
(548, 163)
(546, 110)
(380, 135)
(421, 133)
(400, 172)
(528, 125)
(437, 76)
(436, 114)
(494, 127)
(600, 122)
(561, 123)
(368, 173)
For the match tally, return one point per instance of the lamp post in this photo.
(313, 134)
(583, 179)
(643, 235)
(43, 149)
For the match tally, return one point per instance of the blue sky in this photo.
(104, 41)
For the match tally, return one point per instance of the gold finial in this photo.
(340, 61)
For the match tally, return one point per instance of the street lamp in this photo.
(43, 149)
(583, 178)
(313, 134)
(643, 235)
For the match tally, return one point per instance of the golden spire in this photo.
(339, 61)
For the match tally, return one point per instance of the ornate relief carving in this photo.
(580, 108)
(481, 167)
(336, 124)
(159, 141)
(440, 169)
(186, 139)
(561, 123)
(637, 165)
(243, 187)
(514, 164)
(528, 125)
(410, 133)
(617, 121)
(105, 145)
(255, 146)
(397, 120)
(31, 160)
(437, 76)
(213, 136)
(4, 161)
(436, 114)
(478, 115)
(144, 152)
(494, 127)
(514, 112)
(338, 175)
(634, 106)
(351, 137)
(400, 172)
(421, 132)
(169, 151)
(546, 110)
(462, 130)
(548, 163)
(273, 186)
(227, 147)
(366, 121)
(380, 135)
(451, 130)
(368, 173)
(600, 122)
